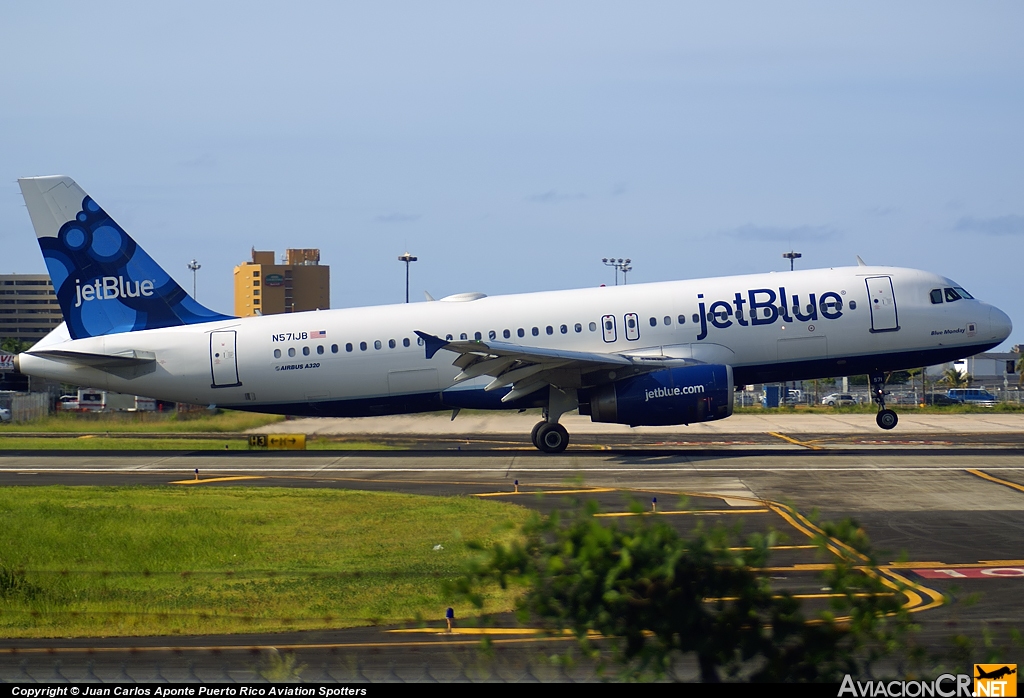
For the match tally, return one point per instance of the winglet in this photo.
(434, 344)
(426, 294)
(860, 262)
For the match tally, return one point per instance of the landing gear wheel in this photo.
(887, 419)
(536, 430)
(552, 438)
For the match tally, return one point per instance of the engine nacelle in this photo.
(672, 396)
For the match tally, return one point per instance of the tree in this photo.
(11, 345)
(955, 378)
(653, 595)
(1020, 370)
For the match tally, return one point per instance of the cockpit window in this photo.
(963, 293)
(952, 295)
(936, 295)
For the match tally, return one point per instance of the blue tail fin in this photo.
(105, 282)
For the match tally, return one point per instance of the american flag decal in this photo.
(317, 334)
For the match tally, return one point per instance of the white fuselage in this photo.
(368, 360)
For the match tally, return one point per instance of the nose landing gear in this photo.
(886, 418)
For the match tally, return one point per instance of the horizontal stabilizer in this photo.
(124, 359)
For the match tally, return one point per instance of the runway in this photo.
(949, 518)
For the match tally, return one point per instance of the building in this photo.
(28, 307)
(263, 287)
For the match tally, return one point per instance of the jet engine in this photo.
(681, 395)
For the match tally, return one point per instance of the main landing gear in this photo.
(886, 418)
(550, 436)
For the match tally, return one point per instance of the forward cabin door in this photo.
(223, 361)
(884, 317)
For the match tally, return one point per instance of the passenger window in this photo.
(348, 346)
(319, 349)
(549, 329)
(593, 327)
(463, 336)
(277, 353)
(521, 332)
(936, 296)
(951, 295)
(392, 344)
(681, 319)
(696, 318)
(377, 344)
(608, 325)
(506, 334)
(291, 351)
(449, 337)
(578, 327)
(667, 320)
(362, 346)
(492, 335)
(419, 341)
(535, 331)
(563, 329)
(405, 342)
(853, 305)
(654, 322)
(477, 336)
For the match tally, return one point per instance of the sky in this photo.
(511, 146)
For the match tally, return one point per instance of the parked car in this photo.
(940, 400)
(838, 399)
(972, 396)
(5, 415)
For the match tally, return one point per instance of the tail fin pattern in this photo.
(105, 282)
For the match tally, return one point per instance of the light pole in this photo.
(407, 258)
(194, 266)
(791, 256)
(619, 264)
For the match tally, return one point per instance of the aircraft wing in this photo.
(528, 369)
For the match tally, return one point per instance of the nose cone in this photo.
(1000, 323)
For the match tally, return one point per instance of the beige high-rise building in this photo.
(263, 287)
(28, 307)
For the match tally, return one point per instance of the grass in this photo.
(145, 422)
(130, 443)
(871, 408)
(91, 561)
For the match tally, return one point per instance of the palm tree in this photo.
(1020, 370)
(955, 378)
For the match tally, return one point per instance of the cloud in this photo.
(1011, 224)
(398, 218)
(553, 197)
(882, 210)
(799, 233)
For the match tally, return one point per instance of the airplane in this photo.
(665, 353)
(995, 673)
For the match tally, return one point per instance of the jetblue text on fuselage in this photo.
(108, 287)
(673, 392)
(765, 306)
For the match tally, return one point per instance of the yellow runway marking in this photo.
(488, 631)
(286, 647)
(797, 442)
(998, 481)
(513, 494)
(218, 479)
(952, 565)
(694, 512)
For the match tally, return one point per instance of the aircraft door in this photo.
(608, 328)
(632, 323)
(223, 361)
(884, 317)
